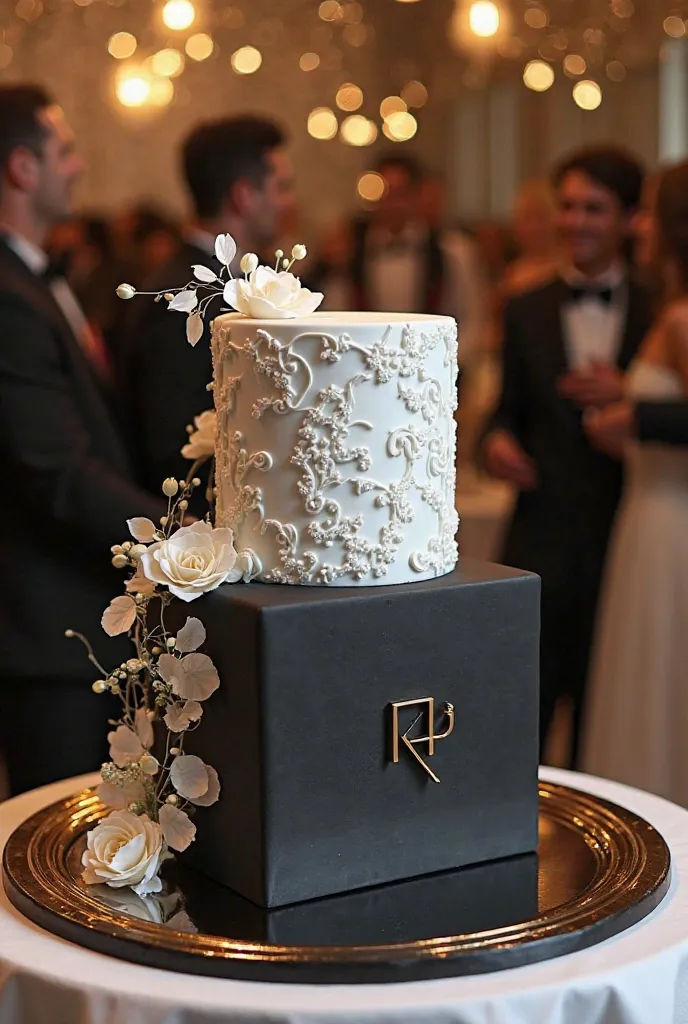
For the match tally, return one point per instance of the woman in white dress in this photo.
(637, 724)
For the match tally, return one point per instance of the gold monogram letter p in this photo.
(427, 705)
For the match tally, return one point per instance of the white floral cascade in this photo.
(263, 293)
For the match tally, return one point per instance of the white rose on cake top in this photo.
(271, 295)
(194, 560)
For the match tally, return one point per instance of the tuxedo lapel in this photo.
(555, 357)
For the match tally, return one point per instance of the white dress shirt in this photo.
(592, 327)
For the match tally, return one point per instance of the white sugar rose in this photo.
(192, 561)
(202, 440)
(125, 849)
(271, 295)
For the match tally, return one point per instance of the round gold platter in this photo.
(599, 870)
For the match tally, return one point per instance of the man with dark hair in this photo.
(67, 488)
(239, 177)
(402, 263)
(567, 345)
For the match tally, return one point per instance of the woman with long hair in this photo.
(638, 705)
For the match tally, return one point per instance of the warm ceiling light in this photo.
(178, 14)
(322, 123)
(483, 19)
(199, 47)
(371, 186)
(675, 26)
(167, 63)
(616, 72)
(133, 90)
(349, 96)
(161, 92)
(574, 64)
(587, 95)
(247, 60)
(357, 35)
(414, 94)
(309, 61)
(392, 105)
(538, 75)
(352, 13)
(536, 17)
(400, 127)
(330, 10)
(122, 45)
(357, 130)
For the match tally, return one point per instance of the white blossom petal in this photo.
(191, 636)
(176, 718)
(204, 274)
(212, 794)
(141, 529)
(125, 746)
(177, 827)
(225, 249)
(194, 328)
(198, 678)
(113, 796)
(189, 776)
(184, 301)
(119, 616)
(144, 728)
(140, 584)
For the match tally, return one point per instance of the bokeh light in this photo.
(400, 127)
(616, 71)
(536, 17)
(588, 95)
(322, 123)
(178, 14)
(330, 10)
(574, 64)
(133, 89)
(414, 94)
(246, 60)
(357, 130)
(675, 26)
(349, 96)
(161, 92)
(371, 186)
(484, 18)
(392, 105)
(538, 75)
(167, 63)
(122, 45)
(199, 46)
(309, 61)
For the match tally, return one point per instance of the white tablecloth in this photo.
(638, 977)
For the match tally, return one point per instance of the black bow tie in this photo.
(578, 293)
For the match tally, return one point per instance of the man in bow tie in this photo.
(66, 475)
(567, 345)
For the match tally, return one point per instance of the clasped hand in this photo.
(593, 387)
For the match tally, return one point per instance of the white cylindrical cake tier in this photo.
(336, 446)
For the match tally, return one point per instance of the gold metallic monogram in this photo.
(427, 706)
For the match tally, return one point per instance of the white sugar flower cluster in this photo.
(264, 293)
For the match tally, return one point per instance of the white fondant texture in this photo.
(336, 446)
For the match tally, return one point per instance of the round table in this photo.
(638, 977)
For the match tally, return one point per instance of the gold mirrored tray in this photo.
(599, 870)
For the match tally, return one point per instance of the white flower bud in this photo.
(172, 798)
(126, 291)
(248, 263)
(299, 252)
(285, 263)
(170, 487)
(171, 642)
(168, 296)
(127, 546)
(183, 505)
(279, 253)
(174, 751)
(134, 665)
(69, 633)
(136, 552)
(196, 482)
(149, 764)
(120, 561)
(100, 686)
(117, 549)
(163, 520)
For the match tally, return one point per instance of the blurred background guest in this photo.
(239, 178)
(638, 694)
(567, 345)
(60, 448)
(535, 240)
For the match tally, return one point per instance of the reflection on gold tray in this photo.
(599, 870)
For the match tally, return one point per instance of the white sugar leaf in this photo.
(144, 728)
(212, 794)
(193, 709)
(177, 827)
(119, 616)
(194, 328)
(225, 249)
(190, 636)
(141, 529)
(184, 301)
(204, 274)
(113, 796)
(125, 746)
(198, 678)
(170, 668)
(189, 776)
(181, 922)
(177, 719)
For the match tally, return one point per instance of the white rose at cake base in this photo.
(125, 849)
(336, 445)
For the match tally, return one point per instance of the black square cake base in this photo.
(368, 735)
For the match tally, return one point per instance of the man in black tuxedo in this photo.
(566, 347)
(239, 177)
(67, 486)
